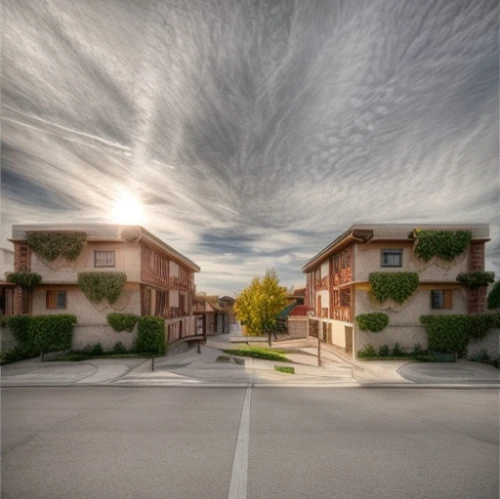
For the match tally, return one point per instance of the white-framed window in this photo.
(104, 258)
(391, 258)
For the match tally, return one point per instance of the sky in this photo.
(251, 133)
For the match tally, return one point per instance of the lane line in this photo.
(239, 475)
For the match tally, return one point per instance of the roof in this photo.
(286, 311)
(214, 303)
(299, 292)
(301, 310)
(363, 233)
(109, 233)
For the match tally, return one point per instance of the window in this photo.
(391, 258)
(442, 299)
(55, 299)
(104, 258)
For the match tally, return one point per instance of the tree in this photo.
(258, 305)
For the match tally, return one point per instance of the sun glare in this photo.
(127, 210)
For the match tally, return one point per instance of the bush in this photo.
(373, 322)
(151, 335)
(20, 327)
(417, 350)
(24, 279)
(3, 321)
(494, 297)
(481, 356)
(395, 285)
(99, 285)
(49, 245)
(97, 350)
(52, 332)
(445, 244)
(15, 355)
(398, 350)
(122, 322)
(384, 351)
(425, 357)
(258, 353)
(119, 348)
(476, 278)
(368, 352)
(285, 369)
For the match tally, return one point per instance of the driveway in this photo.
(460, 372)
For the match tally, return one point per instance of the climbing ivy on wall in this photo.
(445, 244)
(24, 279)
(50, 245)
(395, 285)
(373, 322)
(99, 285)
(494, 297)
(476, 278)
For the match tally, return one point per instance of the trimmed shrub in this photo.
(50, 245)
(445, 244)
(122, 322)
(384, 351)
(476, 278)
(447, 333)
(285, 369)
(99, 285)
(398, 350)
(24, 279)
(96, 350)
(258, 353)
(368, 352)
(494, 297)
(52, 332)
(20, 327)
(373, 322)
(417, 350)
(3, 321)
(119, 348)
(151, 335)
(395, 285)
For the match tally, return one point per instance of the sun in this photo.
(127, 209)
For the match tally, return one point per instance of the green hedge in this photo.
(373, 322)
(50, 245)
(476, 278)
(99, 285)
(445, 244)
(47, 333)
(451, 333)
(24, 279)
(396, 285)
(151, 335)
(122, 322)
(494, 297)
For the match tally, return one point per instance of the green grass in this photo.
(285, 369)
(259, 353)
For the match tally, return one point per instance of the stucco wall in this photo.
(406, 336)
(325, 269)
(367, 260)
(127, 259)
(325, 299)
(491, 343)
(297, 327)
(91, 334)
(87, 313)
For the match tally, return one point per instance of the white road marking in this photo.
(239, 476)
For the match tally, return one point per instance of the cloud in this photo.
(260, 130)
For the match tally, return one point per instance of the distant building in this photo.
(160, 281)
(214, 315)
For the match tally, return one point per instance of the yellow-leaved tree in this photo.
(258, 305)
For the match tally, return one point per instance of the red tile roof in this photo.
(301, 310)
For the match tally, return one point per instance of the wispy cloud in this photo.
(261, 130)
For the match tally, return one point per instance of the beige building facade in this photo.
(160, 281)
(338, 286)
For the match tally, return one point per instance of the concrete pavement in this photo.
(100, 442)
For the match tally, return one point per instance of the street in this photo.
(115, 442)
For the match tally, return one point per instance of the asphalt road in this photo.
(274, 443)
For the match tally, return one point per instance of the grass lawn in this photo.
(259, 353)
(285, 369)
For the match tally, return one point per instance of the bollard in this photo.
(319, 351)
(152, 363)
(41, 351)
(199, 347)
(269, 339)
